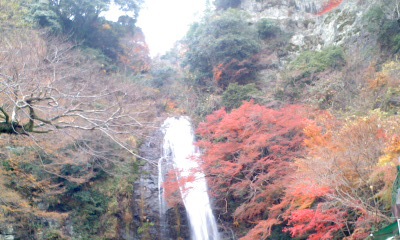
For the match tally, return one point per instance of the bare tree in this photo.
(48, 85)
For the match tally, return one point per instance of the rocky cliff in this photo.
(315, 24)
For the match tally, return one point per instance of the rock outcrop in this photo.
(174, 225)
(311, 24)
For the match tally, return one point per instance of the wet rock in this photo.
(7, 232)
(7, 237)
(177, 223)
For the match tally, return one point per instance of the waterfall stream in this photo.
(179, 150)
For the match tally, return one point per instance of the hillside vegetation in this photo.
(72, 121)
(297, 123)
(299, 139)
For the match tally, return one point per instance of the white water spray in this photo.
(179, 149)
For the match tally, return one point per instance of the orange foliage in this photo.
(331, 5)
(235, 71)
(135, 54)
(340, 174)
(172, 107)
(392, 152)
(218, 72)
(378, 82)
(319, 132)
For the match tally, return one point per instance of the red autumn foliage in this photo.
(247, 155)
(331, 5)
(175, 185)
(319, 179)
(171, 189)
(262, 230)
(316, 224)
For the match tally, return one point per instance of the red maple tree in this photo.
(247, 155)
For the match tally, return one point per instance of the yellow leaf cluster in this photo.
(392, 153)
(388, 76)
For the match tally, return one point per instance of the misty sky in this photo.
(166, 21)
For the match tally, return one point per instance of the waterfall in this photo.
(179, 150)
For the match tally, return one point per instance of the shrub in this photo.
(161, 76)
(91, 205)
(389, 36)
(387, 29)
(45, 17)
(318, 61)
(219, 43)
(306, 70)
(267, 29)
(235, 94)
(374, 18)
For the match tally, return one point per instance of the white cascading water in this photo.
(179, 149)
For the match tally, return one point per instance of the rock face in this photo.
(146, 206)
(177, 223)
(7, 233)
(146, 199)
(314, 23)
(313, 6)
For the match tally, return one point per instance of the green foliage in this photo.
(267, 29)
(162, 75)
(45, 17)
(304, 73)
(374, 18)
(234, 46)
(53, 235)
(318, 61)
(277, 232)
(217, 42)
(225, 4)
(81, 19)
(88, 206)
(389, 36)
(79, 16)
(80, 188)
(207, 103)
(144, 230)
(13, 14)
(7, 165)
(106, 37)
(396, 43)
(98, 56)
(387, 29)
(235, 94)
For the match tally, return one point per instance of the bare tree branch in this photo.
(47, 85)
